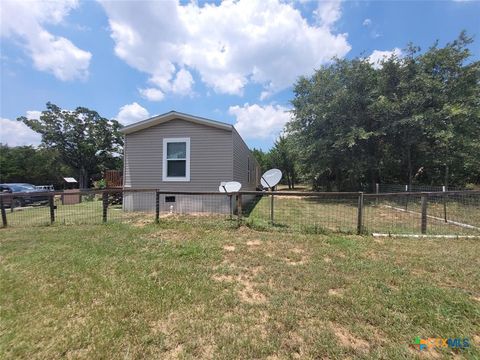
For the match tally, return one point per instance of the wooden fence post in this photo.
(4, 214)
(104, 206)
(360, 214)
(424, 214)
(51, 203)
(157, 207)
(239, 208)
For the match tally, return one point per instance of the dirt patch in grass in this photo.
(298, 251)
(336, 292)
(167, 235)
(254, 243)
(229, 248)
(142, 222)
(295, 261)
(224, 278)
(346, 339)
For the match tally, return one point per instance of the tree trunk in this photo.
(83, 179)
(409, 159)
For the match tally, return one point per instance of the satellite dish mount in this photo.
(269, 180)
(229, 188)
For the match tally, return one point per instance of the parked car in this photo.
(28, 198)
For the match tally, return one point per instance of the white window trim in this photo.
(187, 165)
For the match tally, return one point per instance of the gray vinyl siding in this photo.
(211, 156)
(241, 162)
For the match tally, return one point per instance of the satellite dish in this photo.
(229, 187)
(271, 178)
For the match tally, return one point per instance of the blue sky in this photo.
(234, 61)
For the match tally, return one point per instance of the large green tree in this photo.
(84, 140)
(281, 156)
(405, 121)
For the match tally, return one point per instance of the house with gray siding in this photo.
(181, 152)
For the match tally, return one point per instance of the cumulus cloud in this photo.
(328, 12)
(33, 114)
(228, 45)
(261, 122)
(378, 56)
(24, 21)
(152, 94)
(16, 133)
(131, 113)
(367, 22)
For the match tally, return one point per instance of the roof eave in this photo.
(160, 119)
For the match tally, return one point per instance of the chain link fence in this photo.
(431, 213)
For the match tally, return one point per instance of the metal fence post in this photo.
(51, 203)
(360, 214)
(406, 201)
(377, 191)
(4, 214)
(157, 207)
(239, 208)
(104, 206)
(271, 209)
(424, 214)
(445, 204)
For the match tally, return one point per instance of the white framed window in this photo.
(176, 159)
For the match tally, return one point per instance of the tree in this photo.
(405, 121)
(83, 139)
(281, 157)
(263, 159)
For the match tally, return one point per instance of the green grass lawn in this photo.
(179, 290)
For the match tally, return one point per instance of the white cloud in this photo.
(378, 56)
(16, 133)
(229, 45)
(367, 22)
(131, 113)
(23, 22)
(152, 94)
(261, 122)
(328, 12)
(33, 114)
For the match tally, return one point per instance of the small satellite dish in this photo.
(271, 178)
(229, 187)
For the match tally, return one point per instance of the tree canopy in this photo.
(84, 141)
(404, 121)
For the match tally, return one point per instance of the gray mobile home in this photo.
(181, 152)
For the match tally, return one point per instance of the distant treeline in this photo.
(27, 164)
(409, 119)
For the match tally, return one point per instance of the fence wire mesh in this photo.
(313, 213)
(449, 213)
(398, 188)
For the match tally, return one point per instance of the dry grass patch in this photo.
(346, 339)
